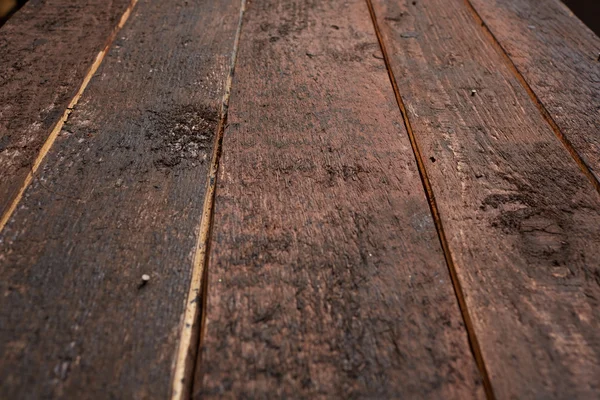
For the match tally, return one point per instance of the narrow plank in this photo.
(558, 56)
(120, 195)
(521, 220)
(8, 8)
(326, 277)
(47, 49)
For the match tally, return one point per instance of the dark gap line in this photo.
(458, 291)
(192, 331)
(540, 106)
(203, 295)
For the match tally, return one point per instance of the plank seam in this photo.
(70, 107)
(458, 291)
(587, 171)
(194, 317)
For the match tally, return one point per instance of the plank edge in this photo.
(193, 323)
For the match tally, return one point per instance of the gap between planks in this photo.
(540, 106)
(59, 125)
(190, 338)
(473, 342)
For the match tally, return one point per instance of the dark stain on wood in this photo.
(47, 49)
(182, 135)
(326, 276)
(119, 196)
(518, 213)
(555, 54)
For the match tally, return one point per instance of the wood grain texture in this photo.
(120, 195)
(559, 58)
(521, 219)
(326, 278)
(46, 50)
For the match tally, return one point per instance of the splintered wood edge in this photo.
(59, 125)
(191, 327)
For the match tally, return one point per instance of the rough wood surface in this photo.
(521, 219)
(559, 58)
(326, 277)
(120, 195)
(45, 51)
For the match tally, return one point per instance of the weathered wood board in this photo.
(326, 277)
(46, 50)
(520, 217)
(119, 195)
(559, 58)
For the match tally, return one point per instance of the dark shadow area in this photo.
(8, 8)
(588, 11)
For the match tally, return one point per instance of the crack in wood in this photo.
(473, 341)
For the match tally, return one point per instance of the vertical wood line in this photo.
(458, 291)
(587, 171)
(58, 127)
(195, 306)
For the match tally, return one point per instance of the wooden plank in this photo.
(326, 277)
(120, 195)
(47, 48)
(558, 58)
(521, 220)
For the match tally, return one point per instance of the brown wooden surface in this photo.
(559, 58)
(45, 51)
(120, 195)
(326, 278)
(521, 219)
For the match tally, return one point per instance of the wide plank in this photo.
(326, 276)
(46, 51)
(521, 220)
(120, 195)
(559, 58)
